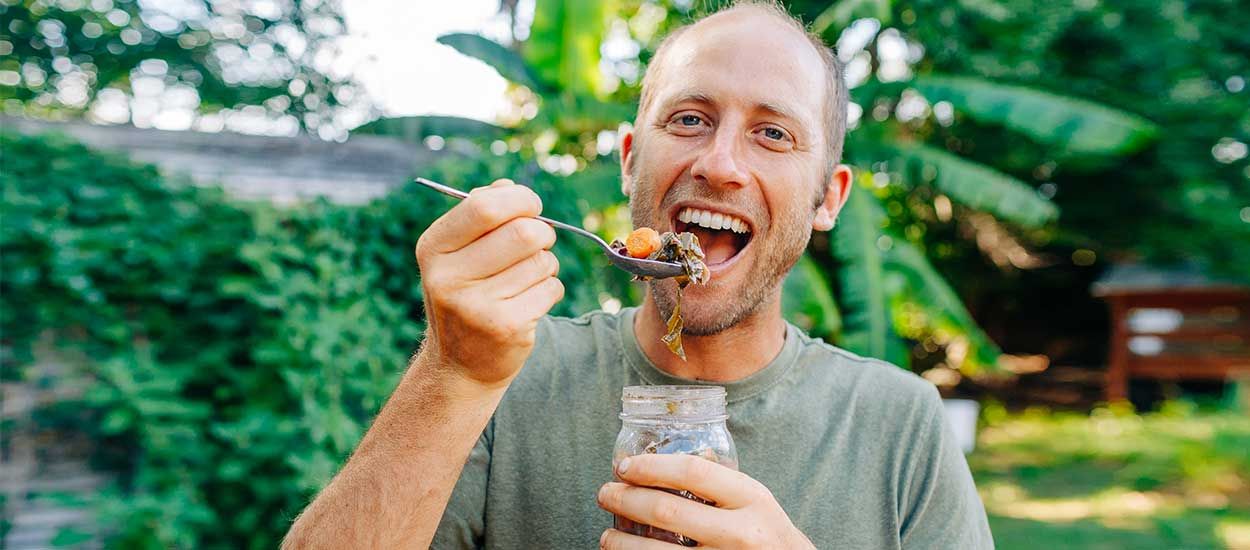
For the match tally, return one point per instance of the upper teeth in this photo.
(713, 220)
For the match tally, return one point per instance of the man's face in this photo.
(734, 129)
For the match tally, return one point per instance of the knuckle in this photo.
(530, 233)
(615, 497)
(422, 249)
(697, 469)
(754, 537)
(758, 489)
(535, 201)
(485, 210)
(539, 264)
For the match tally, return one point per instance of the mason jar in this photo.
(686, 420)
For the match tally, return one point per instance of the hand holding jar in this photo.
(677, 480)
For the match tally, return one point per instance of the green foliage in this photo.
(1183, 65)
(1073, 126)
(215, 337)
(977, 185)
(507, 62)
(840, 13)
(807, 301)
(564, 44)
(865, 286)
(64, 54)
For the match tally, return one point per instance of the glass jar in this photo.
(673, 420)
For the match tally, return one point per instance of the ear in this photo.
(627, 162)
(837, 189)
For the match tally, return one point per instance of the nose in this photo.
(720, 164)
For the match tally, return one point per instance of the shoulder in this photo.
(873, 385)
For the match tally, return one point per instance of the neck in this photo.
(733, 354)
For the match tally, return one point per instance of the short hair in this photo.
(835, 106)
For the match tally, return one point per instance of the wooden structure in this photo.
(1173, 325)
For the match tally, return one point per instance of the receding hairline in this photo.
(835, 93)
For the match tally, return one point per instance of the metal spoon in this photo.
(638, 266)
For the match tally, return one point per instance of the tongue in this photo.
(718, 245)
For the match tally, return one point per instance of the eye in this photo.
(774, 133)
(688, 124)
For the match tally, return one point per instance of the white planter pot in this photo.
(961, 416)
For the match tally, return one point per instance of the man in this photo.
(501, 432)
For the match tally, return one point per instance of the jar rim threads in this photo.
(673, 404)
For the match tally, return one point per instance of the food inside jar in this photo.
(673, 439)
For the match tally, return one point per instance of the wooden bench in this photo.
(1168, 325)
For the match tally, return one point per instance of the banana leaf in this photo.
(925, 287)
(977, 185)
(563, 47)
(867, 323)
(1075, 126)
(508, 63)
(807, 300)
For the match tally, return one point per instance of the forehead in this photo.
(745, 58)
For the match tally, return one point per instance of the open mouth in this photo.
(722, 236)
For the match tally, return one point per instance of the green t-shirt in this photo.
(855, 450)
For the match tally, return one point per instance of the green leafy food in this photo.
(682, 248)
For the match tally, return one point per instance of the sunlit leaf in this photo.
(508, 63)
(563, 47)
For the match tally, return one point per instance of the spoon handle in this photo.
(453, 192)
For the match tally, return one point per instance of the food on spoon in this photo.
(681, 248)
(642, 242)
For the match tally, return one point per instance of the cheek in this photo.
(658, 168)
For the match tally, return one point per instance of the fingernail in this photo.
(603, 539)
(624, 465)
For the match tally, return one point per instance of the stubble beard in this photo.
(775, 256)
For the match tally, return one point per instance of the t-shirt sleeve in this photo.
(464, 520)
(941, 508)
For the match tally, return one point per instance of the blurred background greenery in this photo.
(219, 358)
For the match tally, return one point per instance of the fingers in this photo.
(618, 540)
(506, 245)
(483, 211)
(726, 487)
(522, 275)
(540, 297)
(664, 510)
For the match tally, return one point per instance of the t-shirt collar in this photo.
(737, 390)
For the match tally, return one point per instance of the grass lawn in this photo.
(1177, 478)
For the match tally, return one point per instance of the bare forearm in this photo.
(393, 490)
